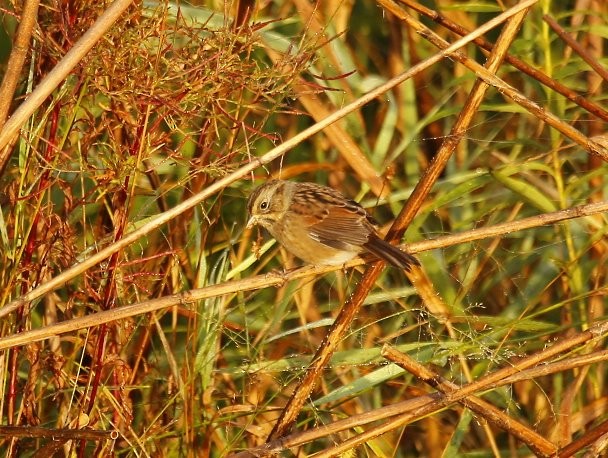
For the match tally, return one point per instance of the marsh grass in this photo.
(214, 338)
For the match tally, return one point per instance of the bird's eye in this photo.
(264, 205)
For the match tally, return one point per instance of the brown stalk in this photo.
(537, 443)
(593, 63)
(17, 58)
(551, 83)
(55, 434)
(483, 383)
(505, 89)
(335, 133)
(277, 279)
(425, 401)
(558, 366)
(421, 191)
(585, 440)
(514, 226)
(13, 71)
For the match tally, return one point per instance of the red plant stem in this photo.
(27, 265)
(109, 300)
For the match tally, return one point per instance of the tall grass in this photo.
(190, 338)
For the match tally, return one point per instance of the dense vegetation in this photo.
(140, 318)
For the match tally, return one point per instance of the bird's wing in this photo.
(331, 219)
(342, 227)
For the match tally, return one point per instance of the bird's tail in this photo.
(390, 253)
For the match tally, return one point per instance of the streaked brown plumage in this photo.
(319, 225)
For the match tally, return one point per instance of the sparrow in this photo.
(320, 225)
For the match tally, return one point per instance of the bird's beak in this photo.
(252, 222)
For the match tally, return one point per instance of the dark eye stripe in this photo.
(254, 197)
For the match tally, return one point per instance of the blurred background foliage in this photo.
(178, 95)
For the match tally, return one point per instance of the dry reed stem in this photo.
(590, 437)
(421, 191)
(537, 443)
(348, 148)
(16, 59)
(13, 71)
(483, 383)
(502, 229)
(538, 75)
(505, 89)
(342, 141)
(593, 63)
(275, 279)
(279, 151)
(57, 433)
(405, 407)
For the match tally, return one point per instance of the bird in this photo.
(320, 225)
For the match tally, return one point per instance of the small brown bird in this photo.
(319, 225)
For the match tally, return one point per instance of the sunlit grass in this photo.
(174, 98)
